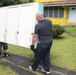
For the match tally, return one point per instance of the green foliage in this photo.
(30, 0)
(13, 2)
(57, 30)
(9, 2)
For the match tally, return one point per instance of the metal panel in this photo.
(2, 24)
(12, 24)
(26, 22)
(72, 14)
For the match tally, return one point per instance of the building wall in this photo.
(45, 0)
(57, 14)
(62, 21)
(65, 19)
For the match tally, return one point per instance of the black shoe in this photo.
(6, 55)
(1, 56)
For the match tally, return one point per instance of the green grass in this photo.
(20, 51)
(6, 71)
(71, 29)
(63, 52)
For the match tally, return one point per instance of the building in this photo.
(45, 0)
(61, 12)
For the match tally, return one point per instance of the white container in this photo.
(17, 22)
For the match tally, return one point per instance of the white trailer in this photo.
(17, 22)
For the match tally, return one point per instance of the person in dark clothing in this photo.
(43, 31)
(3, 46)
(34, 49)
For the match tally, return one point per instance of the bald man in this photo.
(43, 31)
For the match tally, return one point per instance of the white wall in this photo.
(72, 14)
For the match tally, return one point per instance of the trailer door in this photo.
(12, 24)
(2, 24)
(26, 21)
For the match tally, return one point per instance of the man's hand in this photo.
(32, 47)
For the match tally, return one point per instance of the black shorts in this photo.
(3, 45)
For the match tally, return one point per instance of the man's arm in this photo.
(34, 37)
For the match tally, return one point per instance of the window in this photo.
(46, 11)
(61, 12)
(54, 12)
(51, 12)
(73, 8)
(67, 12)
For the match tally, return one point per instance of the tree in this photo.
(9, 2)
(30, 0)
(13, 2)
(27, 0)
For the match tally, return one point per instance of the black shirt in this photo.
(44, 31)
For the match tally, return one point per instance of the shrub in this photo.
(57, 30)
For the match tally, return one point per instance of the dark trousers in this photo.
(42, 54)
(3, 46)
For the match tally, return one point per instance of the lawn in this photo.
(63, 52)
(71, 29)
(6, 71)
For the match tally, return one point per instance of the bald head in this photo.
(39, 16)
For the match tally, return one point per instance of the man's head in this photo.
(39, 16)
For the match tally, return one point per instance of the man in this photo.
(3, 46)
(43, 31)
